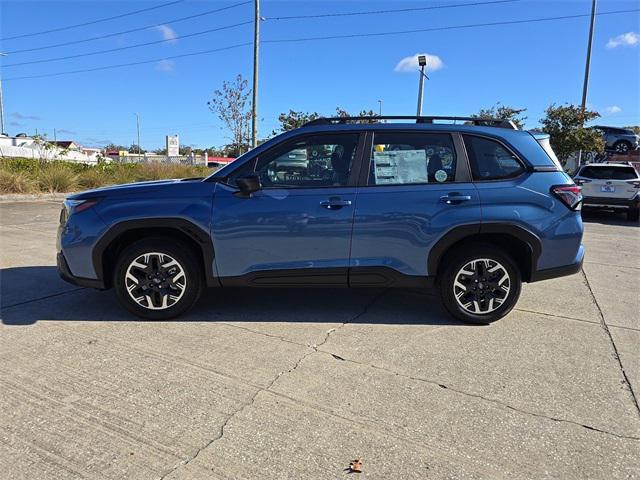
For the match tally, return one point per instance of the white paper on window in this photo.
(400, 166)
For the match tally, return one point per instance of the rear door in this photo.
(414, 188)
(608, 181)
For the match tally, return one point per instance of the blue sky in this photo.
(526, 65)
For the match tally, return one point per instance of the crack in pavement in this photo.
(605, 327)
(42, 298)
(478, 396)
(314, 349)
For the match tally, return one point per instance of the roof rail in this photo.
(478, 121)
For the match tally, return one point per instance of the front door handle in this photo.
(455, 198)
(335, 203)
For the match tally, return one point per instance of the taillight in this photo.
(635, 183)
(570, 195)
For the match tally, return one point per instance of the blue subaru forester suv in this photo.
(475, 208)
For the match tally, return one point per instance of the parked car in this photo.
(621, 140)
(475, 209)
(610, 186)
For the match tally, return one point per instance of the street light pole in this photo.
(587, 69)
(138, 129)
(380, 107)
(422, 62)
(254, 90)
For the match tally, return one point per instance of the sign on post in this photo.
(173, 145)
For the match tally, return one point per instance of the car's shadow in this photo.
(32, 294)
(607, 217)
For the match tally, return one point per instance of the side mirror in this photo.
(248, 184)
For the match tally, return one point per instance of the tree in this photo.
(134, 149)
(504, 112)
(340, 112)
(114, 147)
(233, 107)
(565, 125)
(293, 119)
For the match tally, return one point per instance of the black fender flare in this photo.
(456, 234)
(188, 228)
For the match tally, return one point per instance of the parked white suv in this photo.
(614, 186)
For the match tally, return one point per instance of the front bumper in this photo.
(610, 202)
(561, 271)
(67, 276)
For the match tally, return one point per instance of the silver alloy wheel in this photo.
(481, 286)
(155, 281)
(622, 147)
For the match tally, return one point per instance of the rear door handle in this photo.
(454, 198)
(335, 203)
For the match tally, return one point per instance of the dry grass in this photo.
(20, 175)
(16, 182)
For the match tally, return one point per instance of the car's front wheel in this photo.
(158, 278)
(479, 284)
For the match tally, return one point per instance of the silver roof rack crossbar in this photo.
(478, 121)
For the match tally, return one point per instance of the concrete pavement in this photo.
(297, 383)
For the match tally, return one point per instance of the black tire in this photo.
(633, 214)
(187, 262)
(622, 146)
(454, 263)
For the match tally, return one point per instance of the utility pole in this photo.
(1, 101)
(380, 107)
(55, 137)
(587, 69)
(138, 128)
(254, 90)
(422, 62)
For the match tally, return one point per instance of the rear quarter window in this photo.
(490, 160)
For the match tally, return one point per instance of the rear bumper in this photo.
(609, 202)
(561, 271)
(67, 276)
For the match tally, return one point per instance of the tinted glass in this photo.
(316, 161)
(412, 158)
(609, 173)
(490, 160)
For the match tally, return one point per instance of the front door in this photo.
(417, 188)
(297, 228)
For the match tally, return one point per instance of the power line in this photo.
(378, 12)
(452, 27)
(93, 22)
(355, 35)
(115, 34)
(130, 64)
(127, 47)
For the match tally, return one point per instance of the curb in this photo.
(33, 197)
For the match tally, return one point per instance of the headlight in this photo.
(77, 206)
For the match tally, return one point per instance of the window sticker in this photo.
(400, 166)
(441, 176)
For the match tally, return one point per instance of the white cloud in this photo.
(168, 33)
(165, 65)
(629, 39)
(612, 109)
(410, 64)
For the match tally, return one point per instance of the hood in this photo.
(124, 189)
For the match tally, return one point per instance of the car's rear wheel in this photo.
(633, 214)
(158, 278)
(480, 284)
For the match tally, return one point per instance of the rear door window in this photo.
(609, 173)
(399, 158)
(490, 160)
